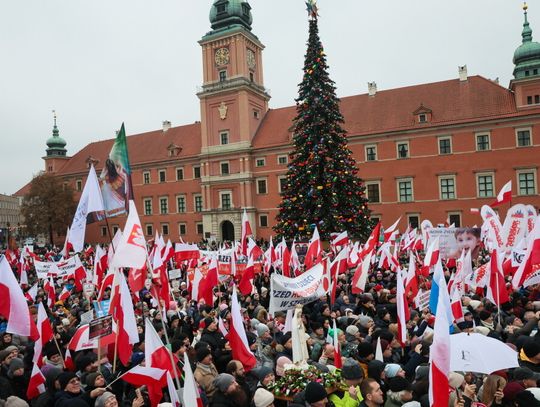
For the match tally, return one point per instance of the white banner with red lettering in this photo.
(60, 269)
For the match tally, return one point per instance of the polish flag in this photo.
(269, 256)
(191, 394)
(505, 195)
(23, 268)
(137, 278)
(313, 254)
(246, 231)
(155, 353)
(496, 292)
(237, 336)
(354, 258)
(168, 251)
(439, 358)
(13, 306)
(337, 267)
(100, 265)
(361, 274)
(432, 254)
(531, 262)
(45, 335)
(160, 278)
(64, 295)
(113, 246)
(337, 348)
(222, 328)
(207, 284)
(245, 285)
(107, 282)
(341, 239)
(184, 251)
(175, 401)
(122, 310)
(49, 289)
(295, 261)
(81, 340)
(151, 377)
(254, 250)
(32, 293)
(411, 280)
(403, 312)
(68, 247)
(69, 363)
(286, 262)
(131, 250)
(194, 286)
(373, 240)
(36, 385)
(391, 233)
(457, 309)
(91, 201)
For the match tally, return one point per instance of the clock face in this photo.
(222, 56)
(250, 59)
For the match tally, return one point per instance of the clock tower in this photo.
(233, 103)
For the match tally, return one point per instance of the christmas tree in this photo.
(322, 187)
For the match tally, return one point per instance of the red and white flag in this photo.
(391, 233)
(68, 247)
(504, 195)
(100, 265)
(155, 353)
(340, 240)
(531, 262)
(361, 274)
(403, 312)
(184, 251)
(313, 254)
(207, 284)
(496, 292)
(49, 289)
(131, 250)
(337, 348)
(13, 306)
(432, 254)
(45, 335)
(175, 401)
(411, 280)
(81, 340)
(337, 267)
(457, 309)
(245, 285)
(168, 251)
(246, 231)
(191, 394)
(254, 250)
(439, 357)
(91, 201)
(36, 385)
(151, 377)
(160, 279)
(32, 293)
(65, 294)
(372, 241)
(222, 328)
(237, 336)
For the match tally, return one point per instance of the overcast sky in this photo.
(102, 62)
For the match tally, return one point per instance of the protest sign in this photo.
(453, 240)
(87, 317)
(175, 273)
(287, 293)
(102, 307)
(100, 327)
(422, 299)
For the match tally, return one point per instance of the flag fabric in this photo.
(13, 306)
(373, 240)
(160, 279)
(175, 401)
(100, 265)
(237, 336)
(36, 385)
(45, 335)
(439, 357)
(432, 254)
(496, 291)
(69, 363)
(403, 312)
(68, 247)
(207, 284)
(184, 251)
(131, 250)
(65, 294)
(313, 254)
(153, 378)
(457, 309)
(49, 289)
(246, 231)
(411, 280)
(245, 285)
(115, 178)
(341, 239)
(531, 262)
(155, 353)
(337, 267)
(32, 293)
(504, 195)
(391, 233)
(439, 292)
(254, 250)
(378, 351)
(337, 348)
(361, 274)
(90, 201)
(191, 394)
(222, 328)
(81, 340)
(286, 260)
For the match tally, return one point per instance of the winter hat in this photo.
(15, 364)
(315, 392)
(474, 304)
(208, 321)
(482, 330)
(352, 330)
(263, 398)
(4, 354)
(223, 381)
(352, 371)
(91, 378)
(262, 372)
(202, 353)
(13, 401)
(364, 349)
(484, 315)
(101, 400)
(523, 373)
(531, 349)
(285, 338)
(83, 361)
(254, 323)
(280, 365)
(391, 370)
(455, 380)
(411, 404)
(261, 329)
(364, 320)
(64, 379)
(10, 349)
(421, 372)
(398, 383)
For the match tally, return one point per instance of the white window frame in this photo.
(164, 172)
(285, 156)
(265, 215)
(423, 116)
(176, 173)
(167, 200)
(263, 159)
(480, 134)
(280, 190)
(456, 213)
(484, 174)
(168, 229)
(442, 177)
(185, 203)
(225, 133)
(149, 178)
(367, 193)
(526, 171)
(405, 179)
(406, 142)
(151, 206)
(180, 228)
(529, 129)
(257, 180)
(195, 203)
(366, 152)
(197, 225)
(221, 163)
(439, 139)
(146, 226)
(227, 192)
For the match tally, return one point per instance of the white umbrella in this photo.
(481, 354)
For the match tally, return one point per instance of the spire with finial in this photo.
(56, 144)
(527, 31)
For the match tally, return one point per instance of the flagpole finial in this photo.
(312, 9)
(54, 116)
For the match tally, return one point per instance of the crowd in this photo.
(400, 377)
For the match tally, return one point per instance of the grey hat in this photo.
(351, 370)
(363, 320)
(261, 329)
(421, 372)
(223, 381)
(101, 400)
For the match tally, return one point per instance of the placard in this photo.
(100, 327)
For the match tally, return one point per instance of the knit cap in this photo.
(13, 401)
(263, 398)
(223, 381)
(101, 400)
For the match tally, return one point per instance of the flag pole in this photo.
(59, 351)
(160, 310)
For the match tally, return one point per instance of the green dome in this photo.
(226, 13)
(527, 55)
(56, 144)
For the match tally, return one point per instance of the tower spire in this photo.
(526, 34)
(56, 145)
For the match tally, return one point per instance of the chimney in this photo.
(462, 73)
(372, 88)
(166, 125)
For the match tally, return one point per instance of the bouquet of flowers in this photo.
(295, 380)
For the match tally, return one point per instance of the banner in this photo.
(60, 269)
(115, 178)
(453, 240)
(287, 293)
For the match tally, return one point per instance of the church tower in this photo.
(56, 151)
(233, 102)
(526, 82)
